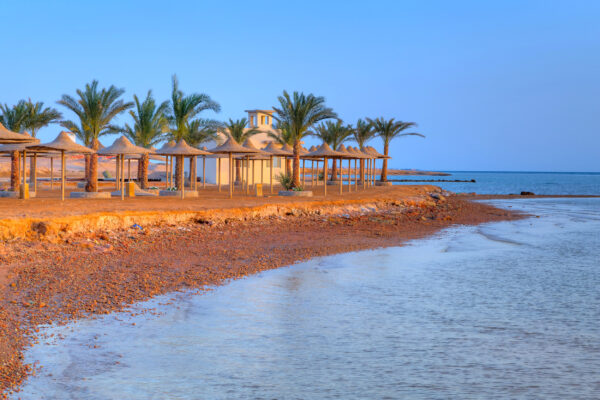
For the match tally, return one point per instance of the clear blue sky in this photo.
(504, 85)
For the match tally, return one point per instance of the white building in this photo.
(263, 120)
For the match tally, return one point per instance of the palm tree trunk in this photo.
(334, 170)
(92, 179)
(15, 171)
(296, 170)
(238, 171)
(178, 172)
(143, 175)
(288, 165)
(384, 167)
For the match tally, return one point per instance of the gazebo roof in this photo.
(325, 151)
(357, 153)
(233, 147)
(123, 146)
(287, 148)
(261, 155)
(63, 142)
(7, 136)
(168, 145)
(181, 148)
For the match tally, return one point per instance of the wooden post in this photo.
(62, 175)
(253, 174)
(230, 176)
(325, 176)
(129, 170)
(262, 171)
(118, 174)
(182, 176)
(219, 173)
(271, 169)
(51, 173)
(122, 163)
(203, 172)
(34, 172)
(303, 173)
(341, 176)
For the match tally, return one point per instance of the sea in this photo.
(503, 310)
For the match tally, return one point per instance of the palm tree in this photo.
(388, 130)
(149, 126)
(95, 109)
(182, 111)
(237, 131)
(363, 132)
(334, 134)
(13, 118)
(299, 113)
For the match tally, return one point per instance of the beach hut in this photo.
(325, 152)
(120, 148)
(273, 151)
(230, 147)
(64, 145)
(182, 150)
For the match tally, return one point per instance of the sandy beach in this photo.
(80, 274)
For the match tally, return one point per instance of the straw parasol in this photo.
(120, 148)
(169, 163)
(231, 147)
(7, 136)
(325, 152)
(259, 156)
(181, 149)
(274, 151)
(65, 145)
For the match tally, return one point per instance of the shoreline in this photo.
(96, 273)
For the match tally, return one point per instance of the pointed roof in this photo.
(123, 146)
(324, 151)
(7, 136)
(181, 148)
(274, 150)
(167, 145)
(357, 153)
(261, 155)
(233, 147)
(312, 148)
(63, 142)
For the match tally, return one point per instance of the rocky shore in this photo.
(94, 273)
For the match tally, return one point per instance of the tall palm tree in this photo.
(299, 113)
(363, 132)
(388, 130)
(182, 112)
(38, 117)
(238, 131)
(14, 118)
(334, 134)
(149, 127)
(96, 109)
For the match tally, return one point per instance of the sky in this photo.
(493, 85)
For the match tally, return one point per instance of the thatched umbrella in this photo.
(19, 151)
(259, 155)
(65, 145)
(182, 150)
(325, 152)
(359, 156)
(120, 148)
(8, 137)
(376, 156)
(274, 151)
(231, 147)
(168, 164)
(349, 156)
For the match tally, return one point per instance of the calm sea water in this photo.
(558, 183)
(498, 311)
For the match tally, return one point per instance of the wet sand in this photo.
(100, 272)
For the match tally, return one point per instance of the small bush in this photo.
(285, 180)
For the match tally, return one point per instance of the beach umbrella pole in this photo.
(203, 172)
(219, 173)
(122, 177)
(182, 177)
(230, 175)
(325, 176)
(62, 174)
(271, 169)
(51, 173)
